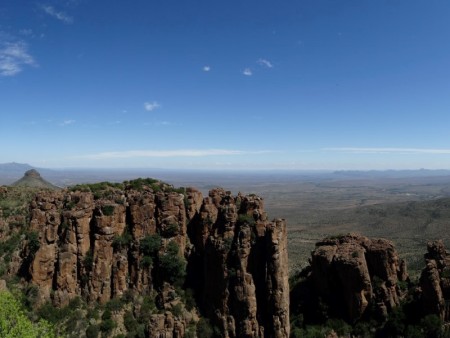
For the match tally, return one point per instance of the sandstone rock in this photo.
(435, 281)
(244, 266)
(351, 271)
(90, 246)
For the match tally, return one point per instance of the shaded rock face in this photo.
(236, 259)
(435, 281)
(240, 259)
(351, 272)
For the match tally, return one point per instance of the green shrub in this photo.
(172, 248)
(150, 245)
(432, 326)
(130, 322)
(114, 305)
(14, 322)
(9, 245)
(52, 314)
(316, 332)
(173, 269)
(246, 219)
(122, 241)
(395, 325)
(177, 310)
(445, 273)
(108, 210)
(189, 299)
(88, 261)
(33, 242)
(92, 331)
(139, 183)
(339, 326)
(148, 307)
(204, 328)
(147, 261)
(171, 230)
(107, 325)
(172, 266)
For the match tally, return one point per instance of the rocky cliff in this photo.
(435, 281)
(154, 240)
(352, 273)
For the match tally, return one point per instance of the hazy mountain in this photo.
(33, 179)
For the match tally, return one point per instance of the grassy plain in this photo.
(409, 211)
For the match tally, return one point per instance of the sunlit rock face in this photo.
(90, 245)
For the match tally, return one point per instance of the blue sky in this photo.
(205, 84)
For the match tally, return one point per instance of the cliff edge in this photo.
(152, 239)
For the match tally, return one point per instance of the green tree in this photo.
(14, 322)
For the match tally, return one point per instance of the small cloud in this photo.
(206, 68)
(163, 123)
(26, 32)
(13, 55)
(150, 106)
(247, 72)
(67, 122)
(264, 63)
(357, 150)
(61, 16)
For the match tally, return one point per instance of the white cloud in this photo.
(206, 68)
(13, 55)
(247, 72)
(150, 106)
(163, 123)
(169, 153)
(67, 122)
(26, 32)
(357, 150)
(264, 63)
(61, 16)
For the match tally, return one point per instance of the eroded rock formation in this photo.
(98, 246)
(351, 272)
(435, 281)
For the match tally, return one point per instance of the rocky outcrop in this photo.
(100, 245)
(435, 281)
(242, 260)
(350, 272)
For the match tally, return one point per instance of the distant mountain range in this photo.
(391, 173)
(11, 172)
(14, 168)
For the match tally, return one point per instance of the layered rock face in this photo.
(350, 272)
(98, 247)
(435, 281)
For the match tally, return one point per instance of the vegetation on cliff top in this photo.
(171, 267)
